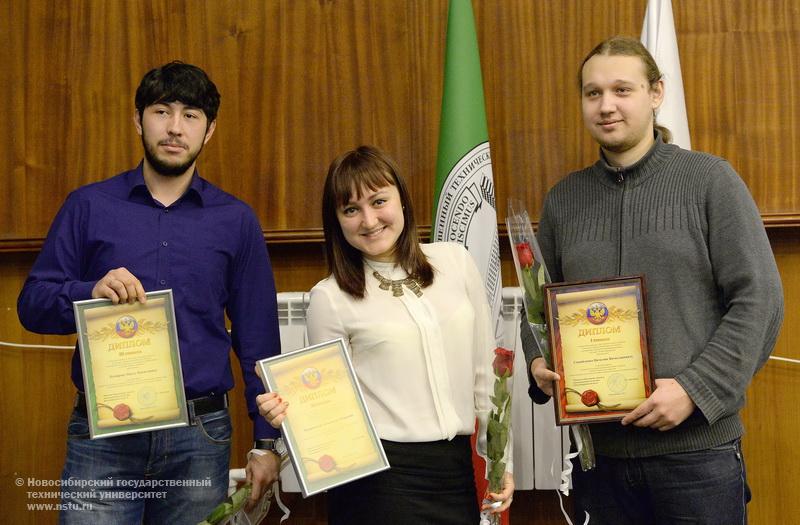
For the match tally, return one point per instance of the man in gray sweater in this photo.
(686, 221)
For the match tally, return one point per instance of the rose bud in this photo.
(524, 254)
(503, 361)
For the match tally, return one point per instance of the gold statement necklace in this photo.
(396, 285)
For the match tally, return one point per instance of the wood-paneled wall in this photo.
(303, 80)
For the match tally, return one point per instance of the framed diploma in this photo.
(131, 365)
(599, 343)
(327, 429)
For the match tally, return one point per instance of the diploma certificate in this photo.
(599, 342)
(131, 365)
(327, 429)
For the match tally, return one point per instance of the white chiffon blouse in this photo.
(424, 363)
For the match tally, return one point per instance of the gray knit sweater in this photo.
(686, 221)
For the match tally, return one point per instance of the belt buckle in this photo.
(190, 404)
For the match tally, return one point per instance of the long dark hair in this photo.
(367, 167)
(630, 47)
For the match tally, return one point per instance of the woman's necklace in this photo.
(396, 285)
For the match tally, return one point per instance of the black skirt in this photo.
(429, 483)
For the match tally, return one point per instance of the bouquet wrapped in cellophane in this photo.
(232, 510)
(498, 428)
(532, 276)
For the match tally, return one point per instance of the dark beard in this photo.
(167, 170)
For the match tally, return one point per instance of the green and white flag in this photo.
(464, 201)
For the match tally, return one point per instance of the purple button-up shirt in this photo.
(207, 247)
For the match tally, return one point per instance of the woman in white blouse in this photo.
(419, 331)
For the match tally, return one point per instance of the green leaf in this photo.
(502, 437)
(532, 290)
(496, 440)
(494, 434)
(506, 419)
(496, 402)
(229, 507)
(496, 471)
(540, 277)
(240, 497)
(219, 513)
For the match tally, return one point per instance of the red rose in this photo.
(122, 412)
(590, 398)
(503, 361)
(524, 254)
(327, 463)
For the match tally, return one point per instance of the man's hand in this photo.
(667, 407)
(262, 471)
(544, 376)
(120, 286)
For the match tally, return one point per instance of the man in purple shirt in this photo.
(156, 227)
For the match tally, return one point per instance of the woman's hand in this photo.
(272, 407)
(505, 495)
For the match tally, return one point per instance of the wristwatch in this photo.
(276, 446)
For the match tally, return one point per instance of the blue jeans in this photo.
(706, 487)
(131, 479)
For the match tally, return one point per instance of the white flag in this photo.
(658, 36)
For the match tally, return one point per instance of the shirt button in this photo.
(164, 243)
(166, 210)
(162, 281)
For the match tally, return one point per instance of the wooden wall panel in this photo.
(741, 65)
(302, 81)
(36, 402)
(770, 415)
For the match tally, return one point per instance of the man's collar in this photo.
(649, 163)
(137, 186)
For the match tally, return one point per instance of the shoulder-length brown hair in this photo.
(367, 167)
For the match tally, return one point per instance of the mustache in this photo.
(173, 142)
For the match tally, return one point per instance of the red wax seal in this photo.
(590, 398)
(327, 463)
(122, 412)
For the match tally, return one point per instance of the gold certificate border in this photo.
(359, 428)
(598, 411)
(176, 418)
